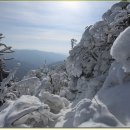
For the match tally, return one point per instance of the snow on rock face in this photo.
(128, 8)
(89, 111)
(116, 75)
(71, 69)
(121, 49)
(106, 15)
(88, 67)
(91, 57)
(86, 37)
(98, 31)
(115, 91)
(116, 98)
(81, 114)
(121, 5)
(87, 89)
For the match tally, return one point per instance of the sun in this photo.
(71, 5)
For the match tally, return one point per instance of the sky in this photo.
(48, 26)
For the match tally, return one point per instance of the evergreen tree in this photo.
(4, 49)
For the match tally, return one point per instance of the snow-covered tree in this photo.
(73, 43)
(5, 76)
(4, 50)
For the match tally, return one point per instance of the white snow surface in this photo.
(92, 90)
(121, 49)
(116, 99)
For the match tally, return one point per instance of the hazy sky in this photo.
(47, 26)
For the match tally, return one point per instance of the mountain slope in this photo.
(32, 59)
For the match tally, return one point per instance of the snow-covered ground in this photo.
(91, 89)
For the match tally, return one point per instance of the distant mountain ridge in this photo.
(32, 59)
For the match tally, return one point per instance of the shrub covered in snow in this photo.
(5, 90)
(27, 86)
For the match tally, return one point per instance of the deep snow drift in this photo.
(91, 89)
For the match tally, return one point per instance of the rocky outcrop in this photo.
(91, 57)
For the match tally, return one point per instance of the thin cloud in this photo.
(45, 24)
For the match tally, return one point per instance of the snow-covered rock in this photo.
(128, 8)
(27, 110)
(55, 102)
(116, 75)
(121, 49)
(115, 91)
(91, 57)
(116, 99)
(89, 111)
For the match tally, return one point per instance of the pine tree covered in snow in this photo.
(5, 76)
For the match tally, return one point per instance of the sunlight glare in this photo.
(71, 5)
